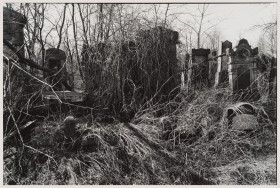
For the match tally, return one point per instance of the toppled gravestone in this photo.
(246, 117)
(245, 122)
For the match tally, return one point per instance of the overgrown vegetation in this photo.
(193, 130)
(136, 125)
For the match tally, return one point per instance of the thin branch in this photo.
(166, 14)
(60, 31)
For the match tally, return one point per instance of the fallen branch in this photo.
(195, 178)
(152, 144)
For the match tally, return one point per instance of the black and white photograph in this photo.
(138, 93)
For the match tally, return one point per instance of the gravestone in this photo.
(212, 67)
(188, 72)
(225, 45)
(225, 59)
(222, 69)
(273, 76)
(244, 116)
(13, 29)
(242, 67)
(157, 64)
(245, 122)
(200, 67)
(55, 59)
(226, 48)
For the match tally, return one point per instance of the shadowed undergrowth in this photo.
(194, 131)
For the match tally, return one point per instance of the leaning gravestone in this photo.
(243, 116)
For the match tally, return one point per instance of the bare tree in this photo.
(268, 40)
(197, 23)
(61, 27)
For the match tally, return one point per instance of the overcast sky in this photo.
(238, 20)
(235, 20)
(241, 18)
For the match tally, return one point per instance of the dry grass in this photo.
(203, 135)
(258, 171)
(193, 129)
(105, 155)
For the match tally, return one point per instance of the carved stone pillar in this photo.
(189, 71)
(219, 68)
(232, 75)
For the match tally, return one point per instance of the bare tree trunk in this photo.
(76, 43)
(83, 25)
(165, 18)
(204, 9)
(100, 33)
(41, 41)
(109, 23)
(156, 16)
(61, 28)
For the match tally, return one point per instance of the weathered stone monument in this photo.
(158, 58)
(238, 69)
(221, 76)
(13, 25)
(55, 60)
(199, 68)
(212, 67)
(13, 32)
(273, 76)
(134, 71)
(242, 67)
